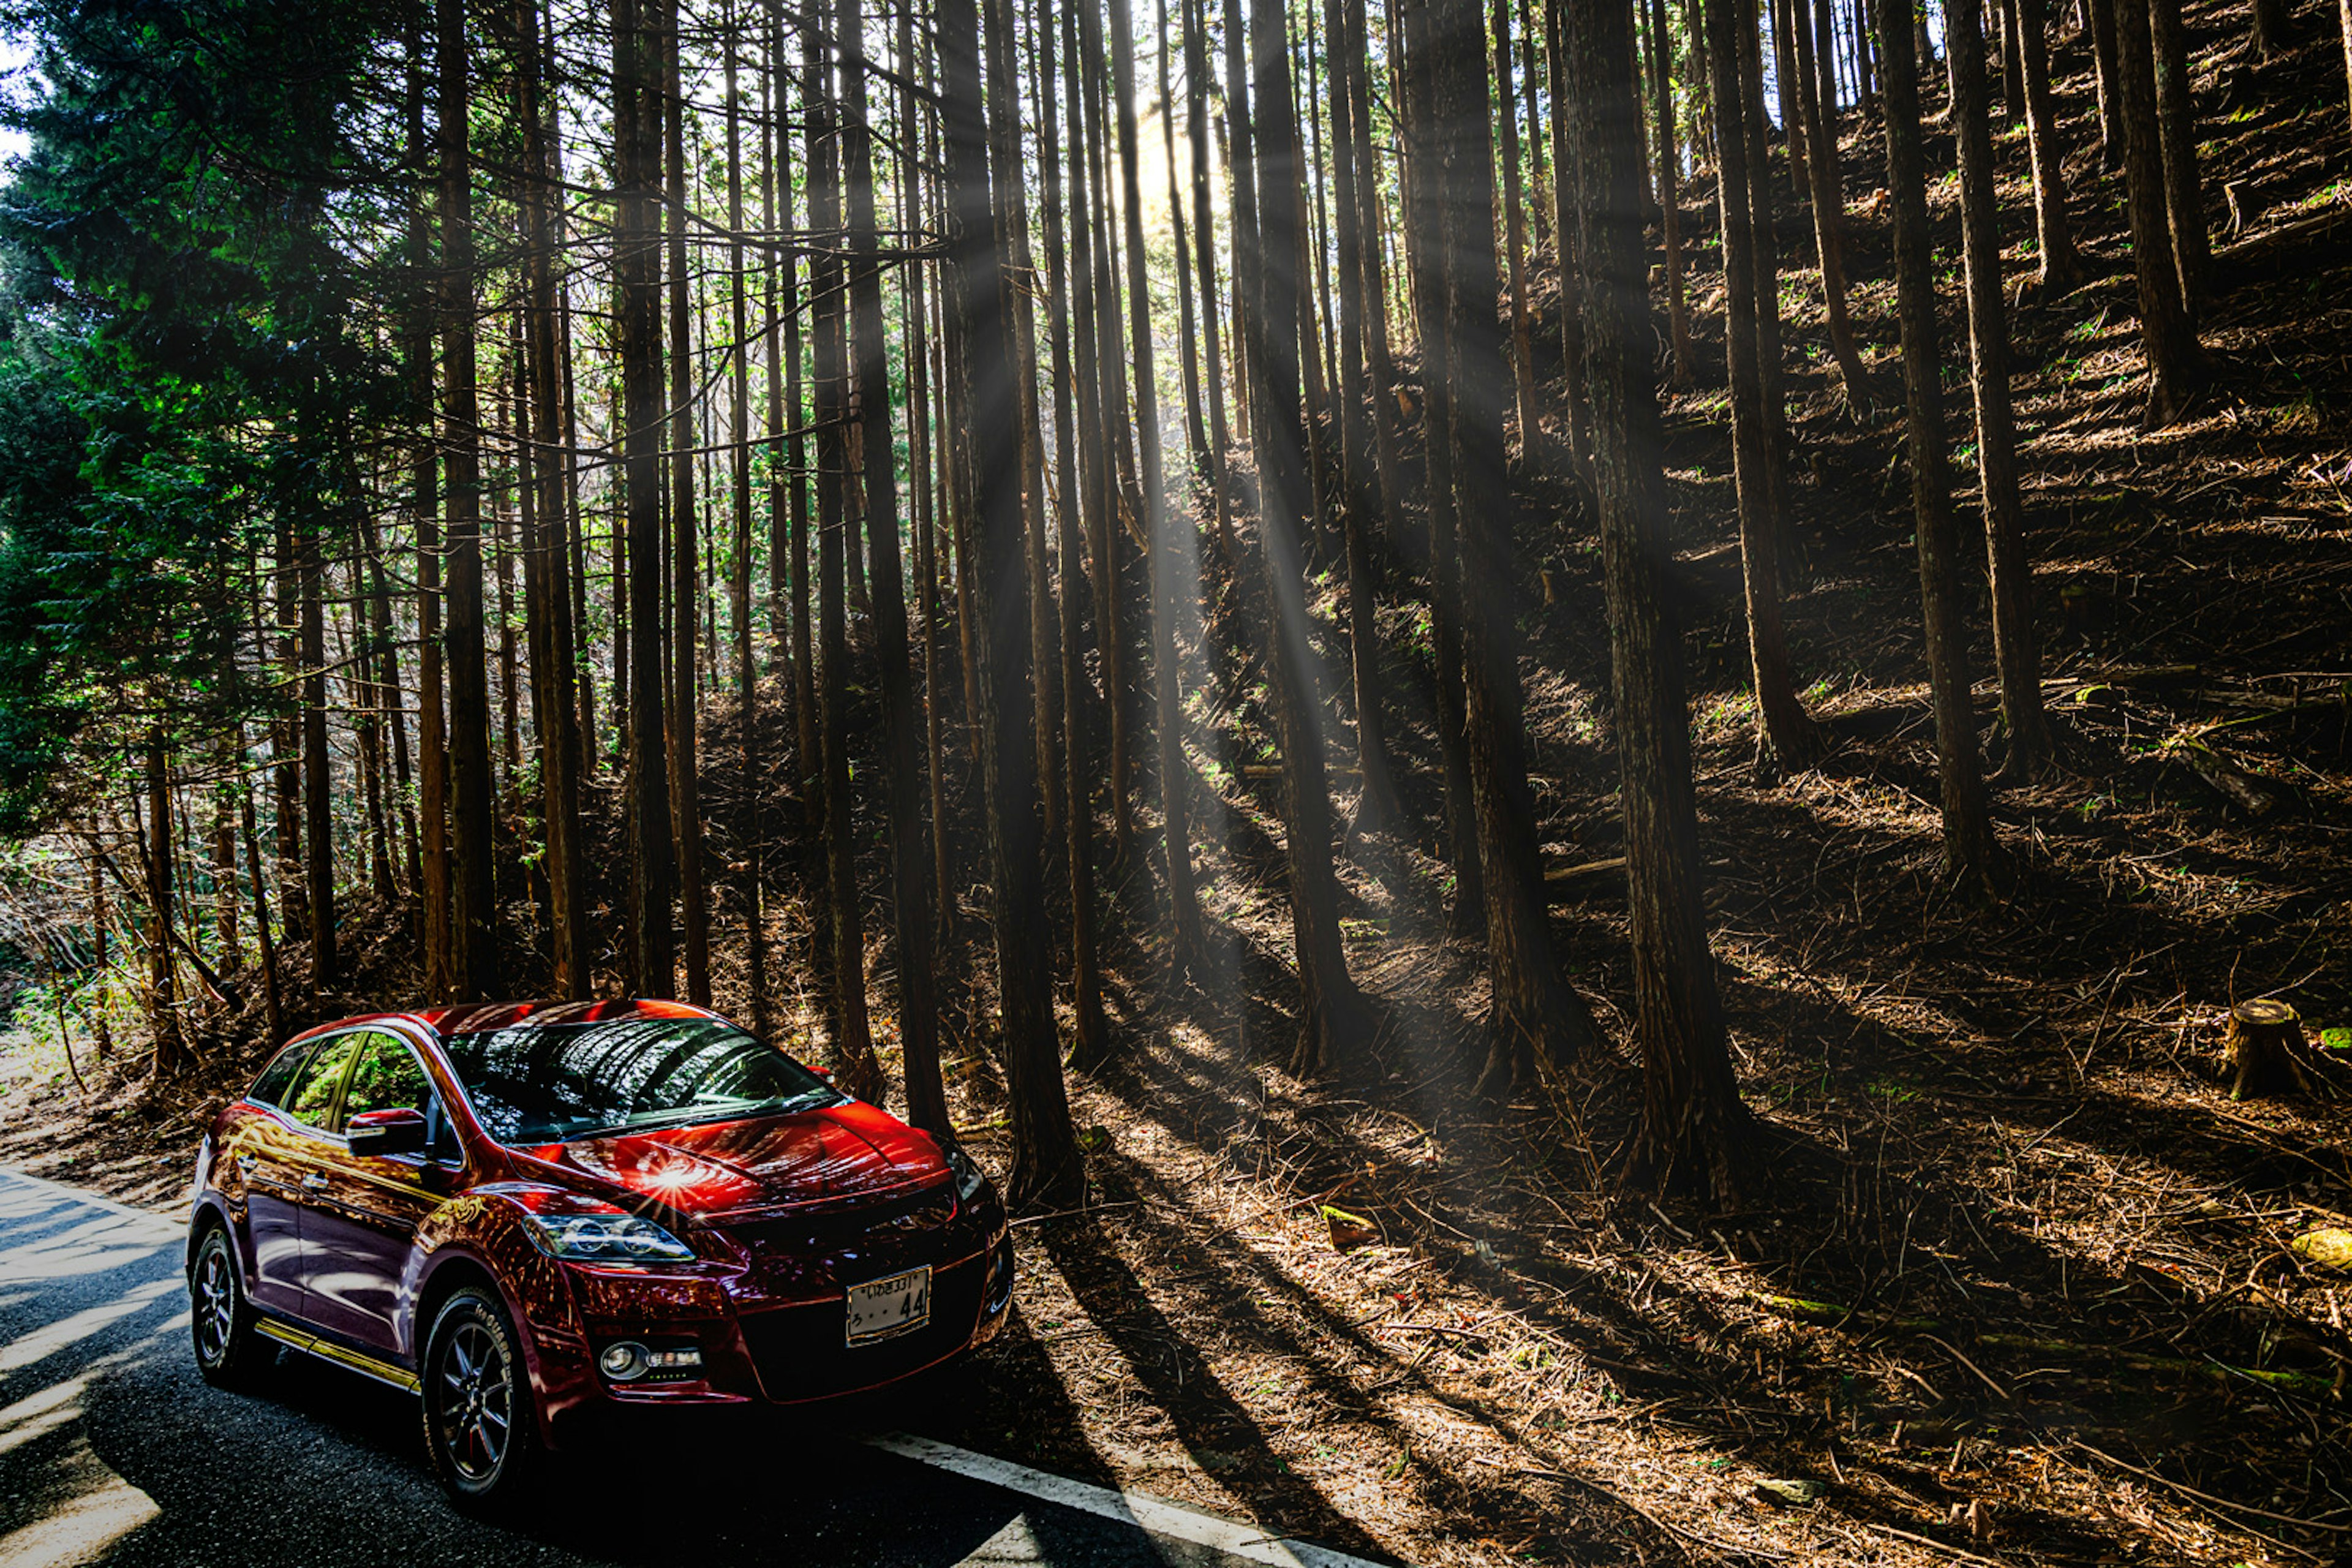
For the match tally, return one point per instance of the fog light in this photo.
(624, 1362)
(688, 1360)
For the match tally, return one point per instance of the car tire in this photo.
(228, 1351)
(481, 1425)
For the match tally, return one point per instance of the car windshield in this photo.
(549, 1083)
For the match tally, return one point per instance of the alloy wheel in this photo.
(475, 1391)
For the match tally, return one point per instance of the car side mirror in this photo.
(395, 1130)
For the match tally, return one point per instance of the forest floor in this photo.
(2017, 1285)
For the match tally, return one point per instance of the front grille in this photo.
(830, 1228)
(800, 1354)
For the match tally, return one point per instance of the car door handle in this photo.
(314, 1182)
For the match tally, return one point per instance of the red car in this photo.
(530, 1213)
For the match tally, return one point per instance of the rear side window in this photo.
(388, 1075)
(271, 1087)
(312, 1103)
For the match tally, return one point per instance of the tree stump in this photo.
(2266, 1050)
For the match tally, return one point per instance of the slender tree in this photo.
(909, 840)
(1784, 733)
(1967, 830)
(2167, 333)
(1694, 1131)
(1046, 1169)
(474, 968)
(2016, 651)
(2062, 262)
(637, 275)
(685, 610)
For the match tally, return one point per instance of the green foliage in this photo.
(185, 353)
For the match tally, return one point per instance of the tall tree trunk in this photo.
(2175, 367)
(317, 767)
(1046, 1170)
(1784, 733)
(1090, 1036)
(738, 574)
(1515, 251)
(852, 1041)
(273, 1007)
(1786, 78)
(1422, 174)
(2176, 108)
(910, 842)
(1364, 493)
(1188, 333)
(1330, 1012)
(474, 959)
(1535, 1021)
(1694, 1127)
(1828, 182)
(1967, 830)
(686, 641)
(636, 269)
(171, 1056)
(2062, 263)
(547, 557)
(1169, 554)
(1109, 546)
(2107, 55)
(1669, 160)
(1204, 242)
(2016, 651)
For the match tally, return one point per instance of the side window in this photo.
(387, 1075)
(312, 1103)
(271, 1087)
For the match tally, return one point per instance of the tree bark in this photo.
(910, 842)
(1047, 1173)
(1330, 1009)
(685, 614)
(1784, 732)
(852, 1029)
(171, 1056)
(2166, 331)
(1669, 159)
(548, 561)
(2107, 55)
(1695, 1133)
(474, 908)
(1812, 28)
(1535, 1021)
(1515, 249)
(2175, 107)
(636, 273)
(2017, 651)
(1090, 1035)
(2062, 263)
(1967, 830)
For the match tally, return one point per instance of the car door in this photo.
(260, 1151)
(357, 1231)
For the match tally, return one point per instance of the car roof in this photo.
(481, 1016)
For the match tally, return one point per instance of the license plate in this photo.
(880, 1308)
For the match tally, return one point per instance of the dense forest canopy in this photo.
(1525, 565)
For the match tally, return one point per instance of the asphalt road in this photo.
(112, 1450)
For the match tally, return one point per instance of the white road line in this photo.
(1249, 1543)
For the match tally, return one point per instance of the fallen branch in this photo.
(1830, 1312)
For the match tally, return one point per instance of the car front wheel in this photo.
(480, 1427)
(227, 1350)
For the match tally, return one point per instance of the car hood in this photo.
(841, 1150)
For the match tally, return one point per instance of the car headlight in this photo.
(968, 1177)
(605, 1238)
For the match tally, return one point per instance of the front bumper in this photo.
(761, 1345)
